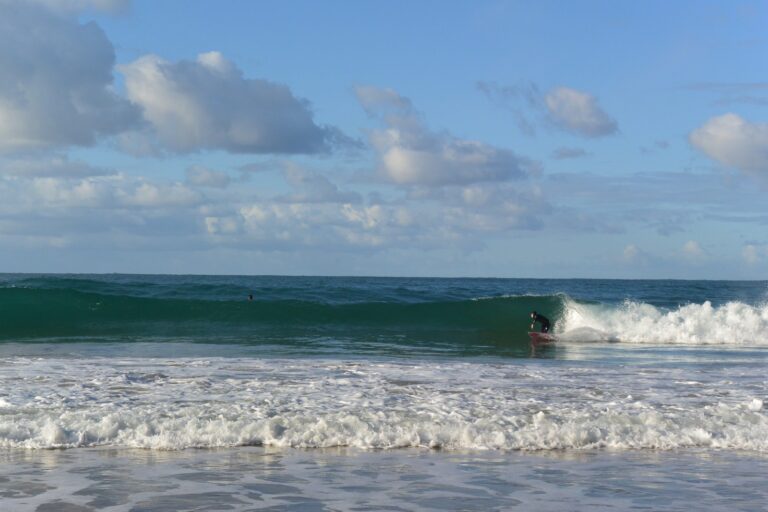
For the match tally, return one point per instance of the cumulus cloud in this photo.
(208, 104)
(373, 99)
(575, 111)
(56, 81)
(411, 154)
(107, 192)
(111, 210)
(753, 253)
(313, 187)
(579, 113)
(97, 212)
(201, 176)
(734, 142)
(487, 207)
(100, 211)
(632, 254)
(693, 251)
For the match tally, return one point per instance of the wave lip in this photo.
(732, 323)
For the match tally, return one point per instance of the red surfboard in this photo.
(541, 338)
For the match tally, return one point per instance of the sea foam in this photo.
(177, 404)
(733, 323)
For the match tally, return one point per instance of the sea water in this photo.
(330, 393)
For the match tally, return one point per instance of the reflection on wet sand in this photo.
(345, 479)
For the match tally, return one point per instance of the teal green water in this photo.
(461, 315)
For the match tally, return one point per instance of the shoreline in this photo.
(247, 478)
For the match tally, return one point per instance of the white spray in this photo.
(733, 323)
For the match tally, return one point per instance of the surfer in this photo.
(544, 321)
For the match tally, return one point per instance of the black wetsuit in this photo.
(544, 321)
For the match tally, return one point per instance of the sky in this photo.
(589, 139)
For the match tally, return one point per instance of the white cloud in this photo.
(121, 210)
(373, 99)
(752, 253)
(579, 113)
(154, 195)
(227, 225)
(734, 142)
(201, 176)
(634, 255)
(410, 154)
(69, 195)
(487, 207)
(208, 104)
(78, 194)
(693, 251)
(313, 187)
(572, 110)
(55, 81)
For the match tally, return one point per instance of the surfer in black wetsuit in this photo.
(544, 321)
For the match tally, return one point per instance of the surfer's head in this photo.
(533, 314)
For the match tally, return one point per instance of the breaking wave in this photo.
(732, 323)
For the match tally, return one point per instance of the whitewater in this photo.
(173, 404)
(732, 323)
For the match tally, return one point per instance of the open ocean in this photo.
(159, 393)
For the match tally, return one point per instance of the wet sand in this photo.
(255, 478)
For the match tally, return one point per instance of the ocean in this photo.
(145, 392)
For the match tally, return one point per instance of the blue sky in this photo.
(510, 139)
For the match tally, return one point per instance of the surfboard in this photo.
(542, 338)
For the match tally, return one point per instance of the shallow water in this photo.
(409, 480)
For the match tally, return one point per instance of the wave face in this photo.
(180, 403)
(78, 309)
(35, 313)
